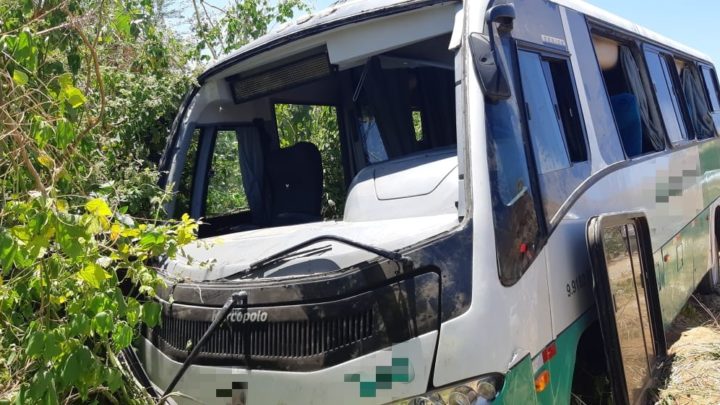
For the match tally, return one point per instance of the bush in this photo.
(86, 94)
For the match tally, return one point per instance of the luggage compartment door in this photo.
(627, 302)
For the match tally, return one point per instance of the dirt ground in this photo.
(691, 374)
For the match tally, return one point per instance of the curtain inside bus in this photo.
(632, 73)
(697, 104)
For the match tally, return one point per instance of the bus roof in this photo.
(603, 15)
(334, 16)
(360, 10)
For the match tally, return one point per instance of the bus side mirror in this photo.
(503, 15)
(492, 76)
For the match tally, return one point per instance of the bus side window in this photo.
(666, 96)
(696, 100)
(551, 111)
(627, 84)
(514, 198)
(555, 128)
(712, 87)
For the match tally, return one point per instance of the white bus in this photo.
(438, 202)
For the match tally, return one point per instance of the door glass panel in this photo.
(642, 296)
(225, 193)
(627, 310)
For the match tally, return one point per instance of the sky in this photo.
(695, 23)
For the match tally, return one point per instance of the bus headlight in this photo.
(474, 392)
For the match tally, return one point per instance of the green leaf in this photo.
(122, 23)
(114, 379)
(74, 62)
(68, 237)
(93, 275)
(51, 396)
(25, 53)
(122, 336)
(36, 344)
(132, 313)
(98, 208)
(151, 313)
(65, 133)
(79, 326)
(52, 346)
(40, 384)
(74, 96)
(20, 78)
(76, 364)
(8, 249)
(103, 323)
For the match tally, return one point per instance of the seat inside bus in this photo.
(295, 182)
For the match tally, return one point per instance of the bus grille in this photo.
(294, 339)
(301, 337)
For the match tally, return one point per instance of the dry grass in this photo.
(692, 371)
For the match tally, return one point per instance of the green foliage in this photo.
(317, 124)
(87, 91)
(238, 24)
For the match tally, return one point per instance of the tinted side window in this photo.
(542, 114)
(696, 100)
(555, 128)
(711, 86)
(666, 97)
(517, 229)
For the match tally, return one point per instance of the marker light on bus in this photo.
(542, 381)
(474, 392)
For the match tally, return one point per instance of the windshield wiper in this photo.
(235, 299)
(292, 250)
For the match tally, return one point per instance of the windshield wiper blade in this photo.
(285, 253)
(293, 255)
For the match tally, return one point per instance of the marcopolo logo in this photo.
(246, 316)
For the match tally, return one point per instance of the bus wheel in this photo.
(591, 382)
(711, 281)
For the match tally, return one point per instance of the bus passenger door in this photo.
(627, 302)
